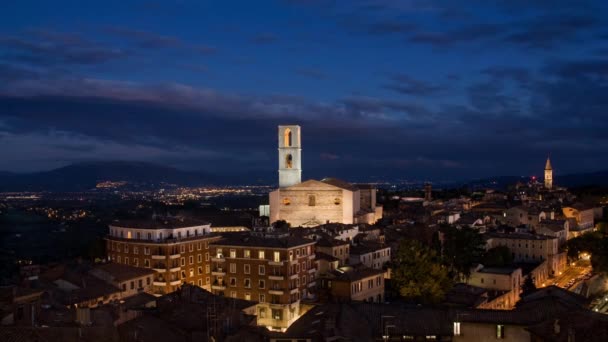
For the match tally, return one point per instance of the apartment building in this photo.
(505, 282)
(370, 254)
(584, 215)
(177, 249)
(337, 248)
(531, 248)
(274, 269)
(130, 280)
(346, 284)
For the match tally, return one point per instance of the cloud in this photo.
(519, 74)
(404, 84)
(152, 41)
(145, 39)
(466, 34)
(57, 148)
(47, 47)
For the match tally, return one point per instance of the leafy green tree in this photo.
(498, 257)
(418, 274)
(460, 249)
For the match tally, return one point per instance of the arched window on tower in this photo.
(288, 161)
(287, 137)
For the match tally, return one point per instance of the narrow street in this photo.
(570, 278)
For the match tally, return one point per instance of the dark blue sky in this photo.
(413, 89)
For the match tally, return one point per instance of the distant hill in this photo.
(85, 176)
(599, 178)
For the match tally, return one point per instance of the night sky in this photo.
(409, 89)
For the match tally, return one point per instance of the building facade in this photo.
(178, 250)
(312, 203)
(531, 248)
(275, 270)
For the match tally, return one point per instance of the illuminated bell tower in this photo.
(290, 150)
(548, 175)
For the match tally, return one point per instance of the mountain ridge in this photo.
(85, 176)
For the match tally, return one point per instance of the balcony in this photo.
(218, 286)
(174, 256)
(277, 292)
(275, 263)
(159, 283)
(294, 276)
(312, 284)
(276, 277)
(175, 269)
(218, 258)
(276, 305)
(294, 290)
(312, 256)
(158, 257)
(160, 268)
(175, 282)
(312, 270)
(218, 272)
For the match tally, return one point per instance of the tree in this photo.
(499, 256)
(528, 286)
(593, 243)
(461, 248)
(281, 225)
(418, 274)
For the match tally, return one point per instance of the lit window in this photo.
(287, 137)
(286, 201)
(456, 328)
(261, 255)
(233, 253)
(247, 253)
(500, 331)
(277, 257)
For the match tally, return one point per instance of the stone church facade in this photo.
(312, 202)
